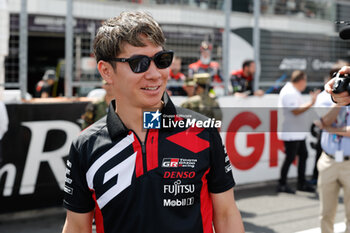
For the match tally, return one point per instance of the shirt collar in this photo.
(249, 78)
(115, 125)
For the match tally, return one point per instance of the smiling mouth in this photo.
(150, 88)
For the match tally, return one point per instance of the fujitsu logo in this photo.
(178, 188)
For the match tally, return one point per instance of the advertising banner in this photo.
(250, 133)
(34, 151)
(38, 141)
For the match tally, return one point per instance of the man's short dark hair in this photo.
(247, 63)
(297, 76)
(129, 27)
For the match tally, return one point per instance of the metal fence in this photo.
(293, 34)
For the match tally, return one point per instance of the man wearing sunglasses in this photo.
(205, 63)
(135, 180)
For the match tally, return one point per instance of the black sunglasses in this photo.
(141, 63)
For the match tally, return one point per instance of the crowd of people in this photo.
(241, 80)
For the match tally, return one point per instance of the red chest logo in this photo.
(189, 140)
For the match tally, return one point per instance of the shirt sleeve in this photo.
(78, 197)
(290, 101)
(220, 177)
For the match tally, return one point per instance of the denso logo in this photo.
(178, 188)
(181, 175)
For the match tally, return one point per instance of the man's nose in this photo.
(153, 72)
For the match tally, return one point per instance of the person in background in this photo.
(98, 109)
(293, 131)
(176, 78)
(44, 87)
(334, 165)
(203, 101)
(4, 121)
(323, 102)
(242, 80)
(205, 64)
(189, 86)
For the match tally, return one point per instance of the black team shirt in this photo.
(163, 185)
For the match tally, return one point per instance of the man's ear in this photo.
(106, 70)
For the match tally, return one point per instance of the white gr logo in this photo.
(124, 170)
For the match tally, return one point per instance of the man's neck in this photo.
(246, 74)
(296, 86)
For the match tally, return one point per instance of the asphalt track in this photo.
(263, 211)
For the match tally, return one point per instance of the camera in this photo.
(341, 83)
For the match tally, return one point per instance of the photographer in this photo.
(334, 165)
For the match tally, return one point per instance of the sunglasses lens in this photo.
(163, 60)
(139, 64)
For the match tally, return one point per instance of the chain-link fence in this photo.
(295, 34)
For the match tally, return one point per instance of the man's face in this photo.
(176, 66)
(205, 56)
(51, 81)
(189, 89)
(303, 84)
(142, 90)
(251, 69)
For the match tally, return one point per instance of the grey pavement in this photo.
(263, 210)
(37, 221)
